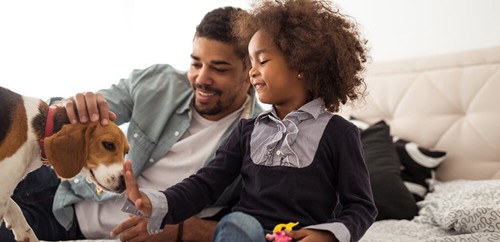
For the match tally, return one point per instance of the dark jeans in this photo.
(35, 195)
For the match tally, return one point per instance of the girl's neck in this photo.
(284, 109)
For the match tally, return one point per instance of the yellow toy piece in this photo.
(287, 226)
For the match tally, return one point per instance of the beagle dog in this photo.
(33, 134)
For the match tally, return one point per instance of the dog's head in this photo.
(92, 150)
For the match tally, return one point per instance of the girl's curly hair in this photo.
(317, 40)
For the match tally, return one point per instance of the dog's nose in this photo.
(121, 184)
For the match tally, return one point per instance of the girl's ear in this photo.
(67, 150)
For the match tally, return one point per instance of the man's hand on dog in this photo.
(88, 106)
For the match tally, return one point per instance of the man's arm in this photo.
(192, 230)
(198, 230)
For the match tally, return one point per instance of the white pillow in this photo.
(464, 206)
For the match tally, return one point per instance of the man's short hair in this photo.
(217, 25)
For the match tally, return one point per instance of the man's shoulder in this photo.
(160, 76)
(161, 69)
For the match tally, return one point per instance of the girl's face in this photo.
(272, 78)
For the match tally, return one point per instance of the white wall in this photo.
(404, 28)
(60, 47)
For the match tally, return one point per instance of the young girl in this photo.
(298, 160)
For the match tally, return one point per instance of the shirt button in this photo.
(151, 160)
(76, 180)
(176, 133)
(279, 152)
(136, 135)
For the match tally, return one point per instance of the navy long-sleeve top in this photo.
(294, 170)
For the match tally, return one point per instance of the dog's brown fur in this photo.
(90, 149)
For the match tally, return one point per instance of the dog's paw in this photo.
(27, 236)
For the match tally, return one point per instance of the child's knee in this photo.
(239, 225)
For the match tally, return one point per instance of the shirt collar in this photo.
(315, 108)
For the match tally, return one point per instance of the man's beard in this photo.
(202, 108)
(219, 106)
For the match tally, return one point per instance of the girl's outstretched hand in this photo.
(140, 200)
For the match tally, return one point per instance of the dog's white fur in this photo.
(12, 170)
(105, 171)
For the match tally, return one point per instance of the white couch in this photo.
(447, 102)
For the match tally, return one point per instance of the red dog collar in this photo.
(49, 130)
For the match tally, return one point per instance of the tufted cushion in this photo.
(447, 102)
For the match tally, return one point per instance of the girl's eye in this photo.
(263, 62)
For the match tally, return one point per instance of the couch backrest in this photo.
(449, 102)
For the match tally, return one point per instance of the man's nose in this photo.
(204, 77)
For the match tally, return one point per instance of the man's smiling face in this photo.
(218, 77)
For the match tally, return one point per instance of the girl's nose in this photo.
(252, 73)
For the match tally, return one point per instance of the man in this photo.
(176, 122)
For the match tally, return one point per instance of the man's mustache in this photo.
(207, 88)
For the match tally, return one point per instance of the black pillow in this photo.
(392, 199)
(419, 165)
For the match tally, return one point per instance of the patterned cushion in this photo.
(464, 206)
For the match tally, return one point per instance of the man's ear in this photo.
(67, 150)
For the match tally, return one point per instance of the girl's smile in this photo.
(258, 85)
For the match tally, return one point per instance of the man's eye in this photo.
(220, 70)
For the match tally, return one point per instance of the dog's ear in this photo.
(67, 149)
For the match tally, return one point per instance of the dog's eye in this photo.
(109, 146)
